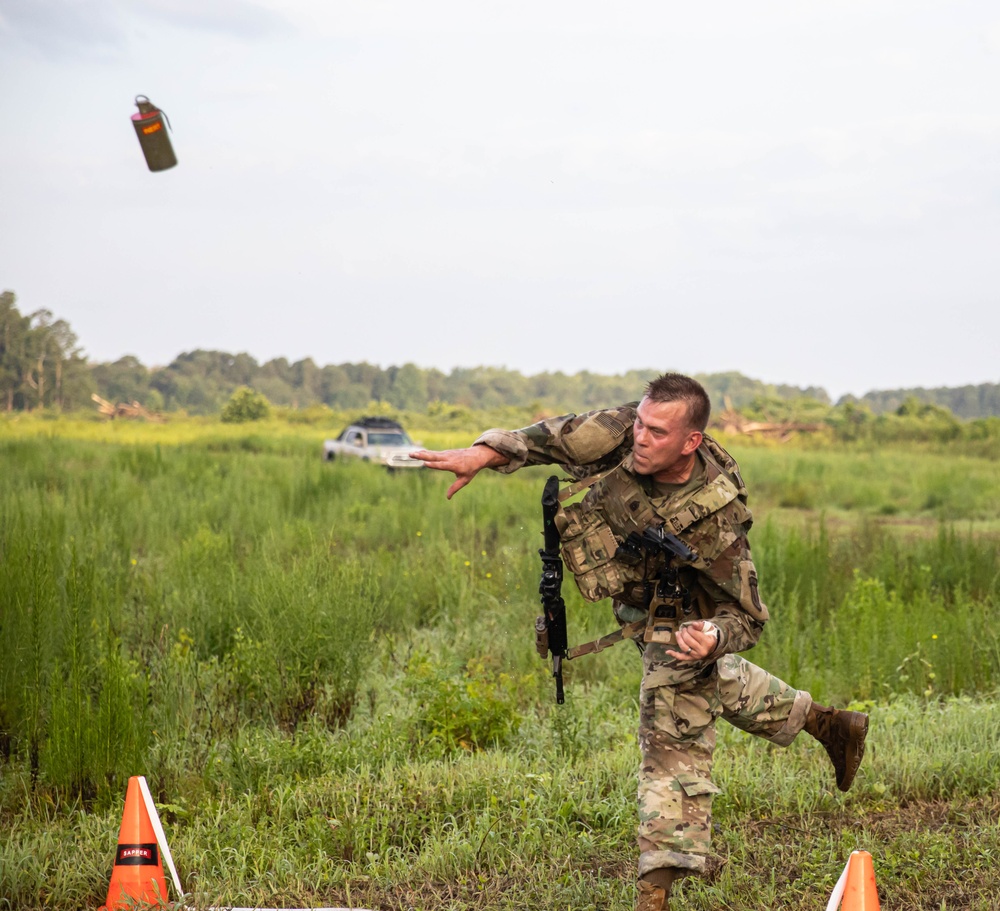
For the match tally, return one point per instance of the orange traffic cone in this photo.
(138, 871)
(856, 885)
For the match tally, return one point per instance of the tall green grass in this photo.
(117, 564)
(871, 614)
(262, 583)
(360, 818)
(895, 481)
(327, 671)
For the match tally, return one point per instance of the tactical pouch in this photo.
(588, 549)
(662, 622)
(604, 582)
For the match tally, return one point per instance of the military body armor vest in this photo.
(595, 531)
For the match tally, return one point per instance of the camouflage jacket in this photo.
(711, 517)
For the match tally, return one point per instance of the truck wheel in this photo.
(330, 456)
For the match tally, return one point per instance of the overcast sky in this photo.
(808, 193)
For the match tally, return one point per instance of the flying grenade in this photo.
(151, 127)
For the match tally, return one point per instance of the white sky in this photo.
(808, 193)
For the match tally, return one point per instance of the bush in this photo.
(245, 405)
(468, 710)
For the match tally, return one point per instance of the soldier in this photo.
(651, 465)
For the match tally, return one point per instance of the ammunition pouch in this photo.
(588, 548)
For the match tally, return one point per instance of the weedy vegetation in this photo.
(326, 673)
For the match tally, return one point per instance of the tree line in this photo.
(201, 382)
(40, 363)
(966, 402)
(41, 366)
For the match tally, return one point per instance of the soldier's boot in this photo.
(843, 735)
(654, 890)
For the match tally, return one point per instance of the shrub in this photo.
(245, 405)
(470, 710)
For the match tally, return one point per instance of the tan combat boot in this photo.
(843, 735)
(654, 890)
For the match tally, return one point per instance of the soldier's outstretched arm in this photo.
(465, 464)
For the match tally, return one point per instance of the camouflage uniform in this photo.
(679, 701)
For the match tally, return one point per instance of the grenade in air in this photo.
(151, 127)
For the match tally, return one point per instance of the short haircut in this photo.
(675, 387)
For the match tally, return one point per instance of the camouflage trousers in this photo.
(677, 740)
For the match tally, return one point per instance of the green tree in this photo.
(306, 382)
(70, 383)
(12, 330)
(382, 383)
(409, 389)
(40, 364)
(202, 381)
(125, 380)
(36, 352)
(244, 405)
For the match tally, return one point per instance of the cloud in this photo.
(63, 27)
(991, 37)
(102, 28)
(236, 18)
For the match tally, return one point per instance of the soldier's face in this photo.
(664, 442)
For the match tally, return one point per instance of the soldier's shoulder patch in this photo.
(595, 435)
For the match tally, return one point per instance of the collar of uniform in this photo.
(706, 467)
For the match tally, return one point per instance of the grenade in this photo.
(151, 128)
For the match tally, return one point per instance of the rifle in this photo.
(654, 540)
(550, 628)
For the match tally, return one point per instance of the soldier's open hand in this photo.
(465, 464)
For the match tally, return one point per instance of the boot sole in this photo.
(858, 734)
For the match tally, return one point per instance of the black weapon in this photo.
(655, 540)
(550, 628)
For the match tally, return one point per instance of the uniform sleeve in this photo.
(739, 631)
(582, 443)
(730, 581)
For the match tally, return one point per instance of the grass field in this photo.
(327, 674)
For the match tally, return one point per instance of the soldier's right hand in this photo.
(465, 464)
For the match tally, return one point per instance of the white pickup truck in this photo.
(374, 440)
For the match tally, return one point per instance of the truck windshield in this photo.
(388, 439)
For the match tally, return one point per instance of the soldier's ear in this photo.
(693, 442)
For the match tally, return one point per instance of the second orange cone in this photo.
(138, 871)
(857, 883)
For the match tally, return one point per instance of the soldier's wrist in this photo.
(511, 452)
(710, 627)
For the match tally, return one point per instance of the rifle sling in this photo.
(574, 488)
(628, 631)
